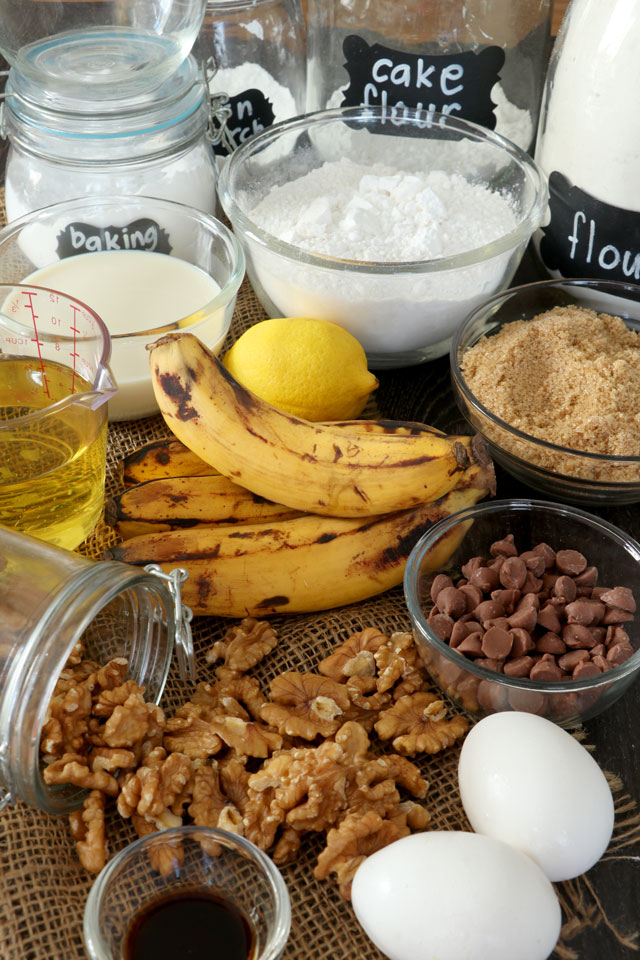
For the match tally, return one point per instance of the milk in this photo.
(133, 291)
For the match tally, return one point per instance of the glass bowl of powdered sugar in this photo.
(393, 222)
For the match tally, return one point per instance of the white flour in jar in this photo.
(589, 131)
(247, 76)
(379, 214)
(512, 122)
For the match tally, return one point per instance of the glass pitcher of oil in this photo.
(54, 385)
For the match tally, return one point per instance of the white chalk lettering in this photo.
(77, 238)
(451, 73)
(111, 241)
(603, 259)
(609, 257)
(400, 76)
(631, 269)
(578, 217)
(376, 70)
(422, 75)
(244, 108)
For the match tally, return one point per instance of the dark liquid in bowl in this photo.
(190, 925)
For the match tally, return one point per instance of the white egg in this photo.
(528, 782)
(445, 895)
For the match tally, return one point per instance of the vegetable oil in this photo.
(52, 468)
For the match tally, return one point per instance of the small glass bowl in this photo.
(43, 244)
(405, 312)
(482, 691)
(187, 859)
(564, 474)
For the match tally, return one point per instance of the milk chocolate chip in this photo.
(497, 643)
(537, 615)
(571, 562)
(440, 582)
(513, 573)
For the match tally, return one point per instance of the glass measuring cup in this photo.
(54, 385)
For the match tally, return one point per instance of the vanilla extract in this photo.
(190, 924)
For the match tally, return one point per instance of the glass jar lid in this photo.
(53, 124)
(128, 45)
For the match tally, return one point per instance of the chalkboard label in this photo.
(143, 234)
(251, 112)
(457, 84)
(588, 238)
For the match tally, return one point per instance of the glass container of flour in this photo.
(482, 60)
(65, 144)
(254, 51)
(589, 144)
(393, 228)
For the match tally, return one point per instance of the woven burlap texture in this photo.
(43, 887)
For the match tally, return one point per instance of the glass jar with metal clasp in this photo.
(54, 603)
(154, 143)
(258, 50)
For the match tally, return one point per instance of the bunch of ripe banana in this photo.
(270, 514)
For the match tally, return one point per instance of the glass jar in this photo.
(63, 146)
(255, 54)
(482, 60)
(589, 144)
(130, 45)
(50, 599)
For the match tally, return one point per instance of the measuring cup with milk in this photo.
(54, 385)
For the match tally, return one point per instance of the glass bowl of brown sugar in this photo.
(549, 374)
(534, 610)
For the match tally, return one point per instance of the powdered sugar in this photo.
(380, 214)
(376, 213)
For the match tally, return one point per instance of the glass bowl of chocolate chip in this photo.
(549, 374)
(534, 610)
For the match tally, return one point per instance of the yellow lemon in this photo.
(313, 369)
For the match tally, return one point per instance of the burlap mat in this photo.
(43, 887)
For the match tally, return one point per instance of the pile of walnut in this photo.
(271, 768)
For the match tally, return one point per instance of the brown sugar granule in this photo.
(571, 377)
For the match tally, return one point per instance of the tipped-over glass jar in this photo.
(52, 600)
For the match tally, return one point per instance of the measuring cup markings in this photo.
(29, 294)
(54, 384)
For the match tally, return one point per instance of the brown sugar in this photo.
(570, 377)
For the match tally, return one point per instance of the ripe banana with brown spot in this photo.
(162, 458)
(306, 466)
(168, 457)
(177, 502)
(304, 564)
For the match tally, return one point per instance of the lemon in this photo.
(313, 369)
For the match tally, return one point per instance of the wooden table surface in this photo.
(424, 393)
